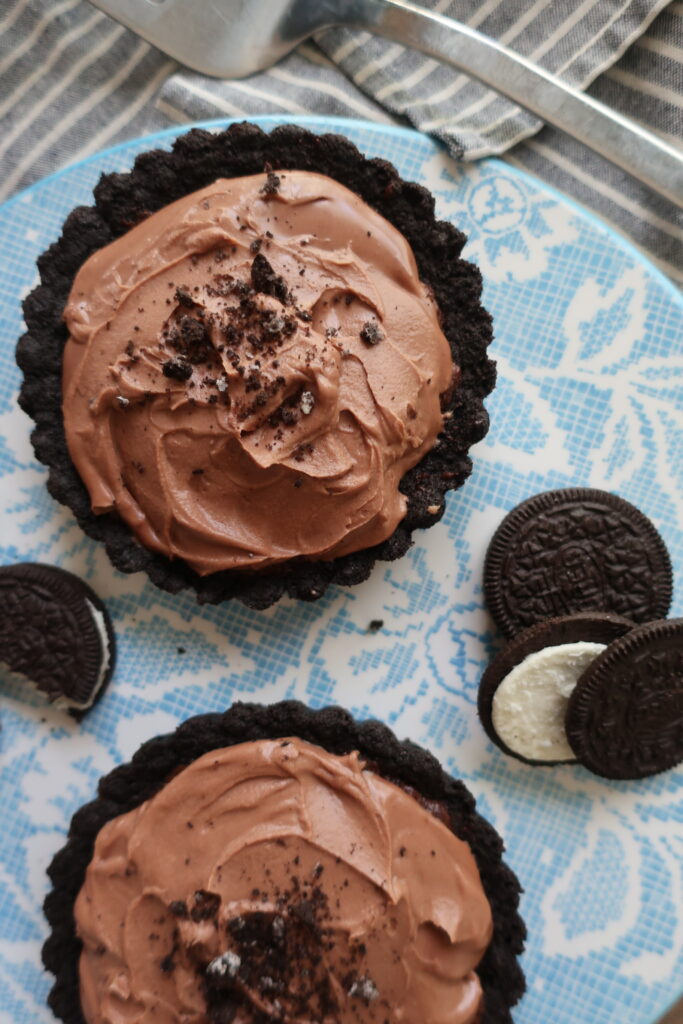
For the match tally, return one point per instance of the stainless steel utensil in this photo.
(234, 38)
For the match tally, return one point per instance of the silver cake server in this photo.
(234, 38)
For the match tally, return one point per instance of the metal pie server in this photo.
(234, 38)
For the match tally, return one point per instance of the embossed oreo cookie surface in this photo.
(56, 632)
(625, 717)
(576, 550)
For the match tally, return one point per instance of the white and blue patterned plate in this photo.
(589, 344)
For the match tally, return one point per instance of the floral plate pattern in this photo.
(589, 345)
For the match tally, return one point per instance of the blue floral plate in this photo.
(589, 344)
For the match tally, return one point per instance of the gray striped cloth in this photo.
(72, 81)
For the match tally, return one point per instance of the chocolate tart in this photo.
(415, 771)
(158, 179)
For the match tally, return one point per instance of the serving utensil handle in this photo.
(623, 142)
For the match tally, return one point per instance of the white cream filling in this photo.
(530, 703)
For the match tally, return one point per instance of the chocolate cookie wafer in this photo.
(575, 550)
(55, 631)
(625, 717)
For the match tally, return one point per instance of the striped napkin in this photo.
(73, 81)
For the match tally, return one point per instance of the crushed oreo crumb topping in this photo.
(272, 185)
(307, 402)
(226, 965)
(206, 905)
(265, 280)
(276, 968)
(364, 988)
(371, 333)
(194, 341)
(177, 368)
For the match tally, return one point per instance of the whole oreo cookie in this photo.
(523, 693)
(575, 550)
(625, 717)
(55, 631)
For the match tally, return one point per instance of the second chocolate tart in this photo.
(282, 864)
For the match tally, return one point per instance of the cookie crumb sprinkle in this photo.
(225, 966)
(177, 369)
(266, 281)
(272, 185)
(371, 333)
(364, 988)
(307, 403)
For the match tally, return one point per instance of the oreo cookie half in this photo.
(523, 693)
(625, 717)
(576, 550)
(55, 631)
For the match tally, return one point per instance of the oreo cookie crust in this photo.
(625, 717)
(334, 729)
(157, 179)
(567, 630)
(55, 631)
(575, 550)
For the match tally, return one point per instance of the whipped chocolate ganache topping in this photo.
(273, 881)
(250, 372)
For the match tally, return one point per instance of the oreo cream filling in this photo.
(530, 704)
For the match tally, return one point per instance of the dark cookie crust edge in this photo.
(539, 503)
(603, 675)
(334, 729)
(158, 178)
(79, 591)
(566, 629)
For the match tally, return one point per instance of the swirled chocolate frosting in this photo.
(274, 881)
(250, 372)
